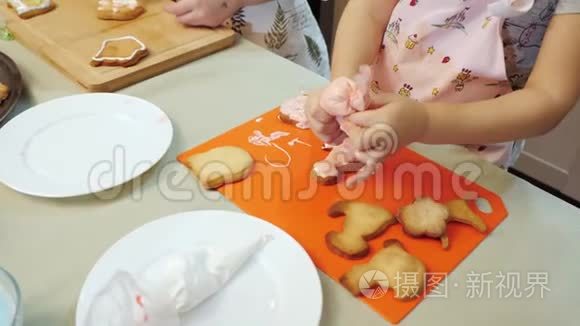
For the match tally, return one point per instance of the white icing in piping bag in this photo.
(169, 286)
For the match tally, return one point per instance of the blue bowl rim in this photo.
(16, 291)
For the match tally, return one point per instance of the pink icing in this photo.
(342, 158)
(259, 139)
(294, 109)
(345, 96)
(341, 98)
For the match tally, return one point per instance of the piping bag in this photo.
(343, 97)
(169, 286)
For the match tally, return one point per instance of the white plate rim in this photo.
(313, 270)
(41, 106)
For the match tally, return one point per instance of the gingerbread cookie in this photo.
(119, 9)
(123, 51)
(4, 92)
(459, 211)
(221, 165)
(338, 162)
(30, 8)
(363, 222)
(404, 273)
(427, 218)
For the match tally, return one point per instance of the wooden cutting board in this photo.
(70, 35)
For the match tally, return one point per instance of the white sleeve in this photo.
(568, 7)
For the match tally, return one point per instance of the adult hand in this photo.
(207, 13)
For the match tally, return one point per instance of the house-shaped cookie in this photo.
(123, 51)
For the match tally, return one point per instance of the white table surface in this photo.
(50, 245)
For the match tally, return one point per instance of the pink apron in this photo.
(448, 51)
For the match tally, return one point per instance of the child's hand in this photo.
(391, 122)
(321, 123)
(208, 13)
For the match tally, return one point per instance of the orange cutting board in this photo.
(291, 199)
(69, 36)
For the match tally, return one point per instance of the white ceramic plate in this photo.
(82, 144)
(278, 286)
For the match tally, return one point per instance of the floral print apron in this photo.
(453, 53)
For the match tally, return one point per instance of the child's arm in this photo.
(551, 92)
(357, 42)
(359, 35)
